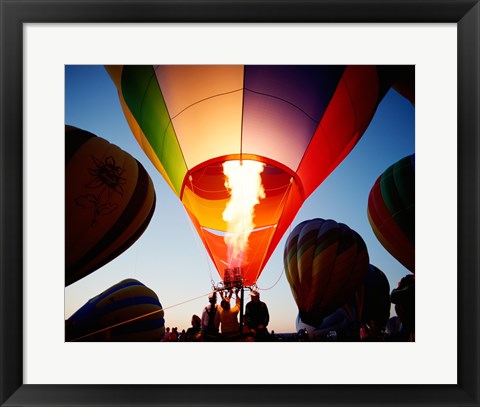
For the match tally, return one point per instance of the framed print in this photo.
(45, 46)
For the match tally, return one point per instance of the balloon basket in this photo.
(232, 278)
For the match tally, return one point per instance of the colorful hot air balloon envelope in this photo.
(284, 127)
(369, 304)
(126, 312)
(405, 82)
(325, 262)
(391, 210)
(109, 201)
(373, 298)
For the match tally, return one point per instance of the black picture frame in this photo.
(14, 13)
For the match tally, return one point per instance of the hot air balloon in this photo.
(391, 210)
(243, 146)
(373, 298)
(126, 312)
(370, 304)
(405, 82)
(109, 201)
(325, 262)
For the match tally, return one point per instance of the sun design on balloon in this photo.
(107, 177)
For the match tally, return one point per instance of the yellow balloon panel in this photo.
(208, 212)
(209, 129)
(185, 85)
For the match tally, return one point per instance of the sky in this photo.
(169, 257)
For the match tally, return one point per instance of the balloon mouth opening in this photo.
(237, 237)
(207, 192)
(207, 180)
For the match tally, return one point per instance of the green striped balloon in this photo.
(126, 312)
(325, 262)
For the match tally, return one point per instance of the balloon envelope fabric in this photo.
(299, 122)
(325, 262)
(373, 298)
(371, 302)
(338, 326)
(128, 311)
(405, 83)
(391, 210)
(109, 202)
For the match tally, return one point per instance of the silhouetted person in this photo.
(194, 333)
(166, 337)
(257, 317)
(173, 335)
(229, 324)
(404, 299)
(210, 319)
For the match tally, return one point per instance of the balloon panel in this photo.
(267, 119)
(254, 253)
(308, 88)
(145, 101)
(391, 210)
(348, 114)
(374, 301)
(184, 86)
(109, 201)
(211, 128)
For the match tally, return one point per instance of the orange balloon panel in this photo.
(298, 121)
(253, 257)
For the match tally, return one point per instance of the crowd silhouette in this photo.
(221, 322)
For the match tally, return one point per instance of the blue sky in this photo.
(170, 258)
